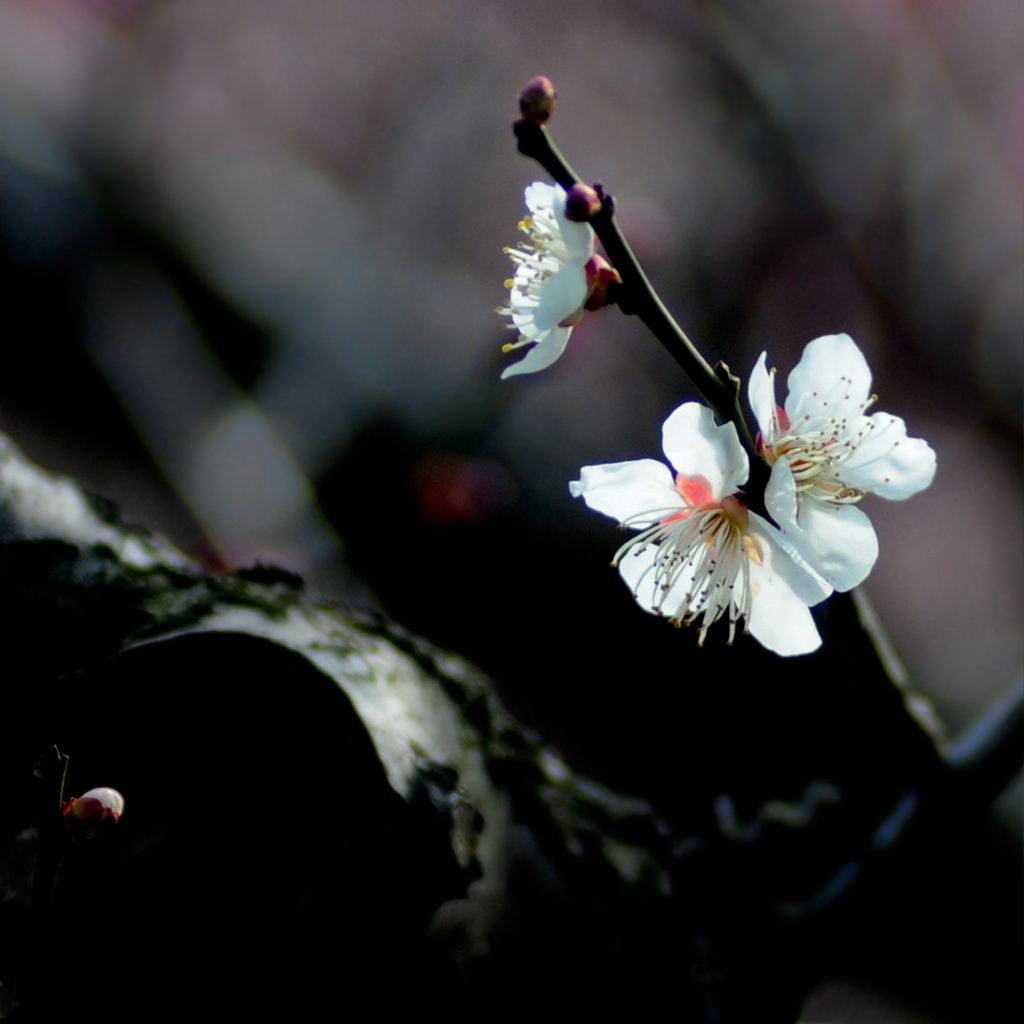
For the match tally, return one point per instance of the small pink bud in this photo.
(600, 273)
(537, 100)
(582, 203)
(98, 810)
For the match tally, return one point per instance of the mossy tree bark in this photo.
(325, 810)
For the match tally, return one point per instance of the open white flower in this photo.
(826, 454)
(553, 279)
(701, 554)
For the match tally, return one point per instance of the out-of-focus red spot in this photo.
(452, 488)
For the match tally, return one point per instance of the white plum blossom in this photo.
(701, 554)
(557, 274)
(826, 453)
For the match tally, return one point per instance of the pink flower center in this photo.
(734, 508)
(782, 424)
(703, 553)
(695, 491)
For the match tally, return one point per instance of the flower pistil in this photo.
(707, 542)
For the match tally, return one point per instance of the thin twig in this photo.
(986, 756)
(636, 295)
(52, 772)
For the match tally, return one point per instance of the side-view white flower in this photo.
(826, 454)
(701, 554)
(552, 280)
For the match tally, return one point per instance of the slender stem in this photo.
(636, 295)
(52, 772)
(986, 757)
(981, 762)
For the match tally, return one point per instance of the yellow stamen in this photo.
(752, 549)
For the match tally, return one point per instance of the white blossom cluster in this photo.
(701, 554)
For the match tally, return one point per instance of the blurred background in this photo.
(249, 257)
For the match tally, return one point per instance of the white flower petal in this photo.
(579, 238)
(761, 395)
(779, 617)
(832, 379)
(780, 590)
(540, 196)
(780, 497)
(790, 565)
(886, 462)
(838, 541)
(637, 569)
(561, 297)
(639, 493)
(547, 351)
(543, 201)
(698, 447)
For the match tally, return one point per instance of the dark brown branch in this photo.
(636, 295)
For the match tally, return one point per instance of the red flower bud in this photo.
(537, 100)
(92, 812)
(582, 203)
(600, 273)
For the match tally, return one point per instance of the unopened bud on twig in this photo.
(582, 203)
(600, 273)
(537, 100)
(98, 810)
